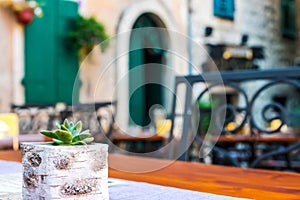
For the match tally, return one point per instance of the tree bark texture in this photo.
(64, 172)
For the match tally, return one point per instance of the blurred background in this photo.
(38, 66)
(51, 61)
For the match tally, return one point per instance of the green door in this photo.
(50, 69)
(143, 71)
(137, 93)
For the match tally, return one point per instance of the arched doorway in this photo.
(146, 59)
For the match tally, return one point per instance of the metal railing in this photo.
(249, 102)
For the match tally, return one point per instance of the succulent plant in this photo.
(69, 133)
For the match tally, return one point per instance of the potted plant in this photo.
(25, 16)
(25, 11)
(85, 35)
(205, 108)
(70, 167)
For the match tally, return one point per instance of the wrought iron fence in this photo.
(249, 102)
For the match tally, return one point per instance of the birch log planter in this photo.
(64, 171)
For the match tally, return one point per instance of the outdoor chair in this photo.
(282, 151)
(98, 117)
(252, 125)
(35, 117)
(9, 131)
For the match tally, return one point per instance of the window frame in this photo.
(224, 9)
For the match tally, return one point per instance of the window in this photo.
(288, 19)
(224, 9)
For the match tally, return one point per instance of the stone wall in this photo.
(102, 80)
(113, 14)
(11, 62)
(260, 20)
(6, 60)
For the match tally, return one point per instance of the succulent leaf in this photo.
(85, 132)
(59, 142)
(69, 134)
(63, 127)
(65, 136)
(50, 134)
(79, 143)
(57, 125)
(88, 140)
(78, 127)
(71, 125)
(66, 123)
(81, 136)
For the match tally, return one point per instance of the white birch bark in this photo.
(64, 172)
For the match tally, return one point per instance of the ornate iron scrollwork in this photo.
(254, 116)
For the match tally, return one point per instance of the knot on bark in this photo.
(62, 162)
(34, 159)
(30, 178)
(79, 187)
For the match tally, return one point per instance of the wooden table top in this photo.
(119, 137)
(268, 138)
(238, 182)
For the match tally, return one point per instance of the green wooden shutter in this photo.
(50, 70)
(39, 58)
(288, 19)
(67, 62)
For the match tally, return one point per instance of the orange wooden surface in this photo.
(11, 155)
(119, 137)
(238, 182)
(248, 183)
(272, 138)
(7, 143)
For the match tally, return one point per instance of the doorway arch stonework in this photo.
(127, 20)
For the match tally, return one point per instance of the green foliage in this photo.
(87, 33)
(207, 104)
(205, 107)
(69, 134)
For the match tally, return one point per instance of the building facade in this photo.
(246, 34)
